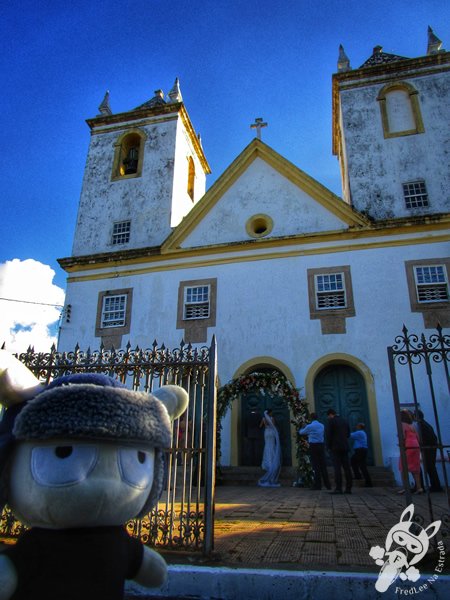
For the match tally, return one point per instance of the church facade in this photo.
(287, 275)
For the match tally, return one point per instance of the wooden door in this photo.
(342, 387)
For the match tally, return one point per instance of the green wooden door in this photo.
(342, 387)
(253, 405)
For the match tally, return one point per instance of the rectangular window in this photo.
(121, 232)
(330, 291)
(415, 194)
(114, 311)
(431, 283)
(196, 302)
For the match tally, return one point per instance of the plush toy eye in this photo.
(63, 451)
(62, 465)
(136, 467)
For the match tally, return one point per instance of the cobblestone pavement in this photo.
(296, 528)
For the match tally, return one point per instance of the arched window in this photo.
(400, 110)
(128, 155)
(191, 178)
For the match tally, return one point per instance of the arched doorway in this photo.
(342, 387)
(253, 405)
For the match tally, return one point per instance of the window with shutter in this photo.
(330, 291)
(196, 305)
(431, 283)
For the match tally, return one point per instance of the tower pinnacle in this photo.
(104, 107)
(434, 43)
(175, 92)
(343, 60)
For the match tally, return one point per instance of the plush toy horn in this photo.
(174, 398)
(17, 382)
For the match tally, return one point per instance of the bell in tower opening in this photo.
(130, 162)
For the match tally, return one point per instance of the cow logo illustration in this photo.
(406, 544)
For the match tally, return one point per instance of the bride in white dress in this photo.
(271, 462)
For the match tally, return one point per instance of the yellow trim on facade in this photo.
(346, 359)
(257, 149)
(118, 156)
(356, 78)
(378, 75)
(123, 125)
(72, 264)
(235, 423)
(194, 139)
(145, 116)
(239, 259)
(259, 225)
(266, 361)
(414, 104)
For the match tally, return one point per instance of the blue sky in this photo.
(236, 60)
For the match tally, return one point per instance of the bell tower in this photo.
(145, 170)
(391, 134)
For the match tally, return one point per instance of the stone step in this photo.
(381, 476)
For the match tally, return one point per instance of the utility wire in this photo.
(29, 302)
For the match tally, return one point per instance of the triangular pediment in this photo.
(260, 183)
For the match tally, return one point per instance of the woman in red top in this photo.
(412, 446)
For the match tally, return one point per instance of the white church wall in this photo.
(382, 306)
(292, 210)
(262, 306)
(377, 166)
(184, 151)
(104, 201)
(263, 311)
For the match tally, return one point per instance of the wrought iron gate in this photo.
(420, 382)
(184, 516)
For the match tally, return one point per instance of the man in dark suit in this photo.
(429, 443)
(338, 433)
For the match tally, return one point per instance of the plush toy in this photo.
(79, 459)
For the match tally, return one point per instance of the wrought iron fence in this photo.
(420, 382)
(184, 516)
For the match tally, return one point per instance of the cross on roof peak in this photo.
(258, 125)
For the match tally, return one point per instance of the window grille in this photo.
(431, 283)
(415, 193)
(196, 304)
(114, 311)
(330, 291)
(121, 232)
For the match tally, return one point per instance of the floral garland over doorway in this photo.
(272, 382)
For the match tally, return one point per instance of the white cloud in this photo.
(28, 323)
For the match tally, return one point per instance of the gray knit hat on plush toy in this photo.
(97, 407)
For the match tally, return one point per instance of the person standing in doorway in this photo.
(359, 456)
(337, 435)
(315, 432)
